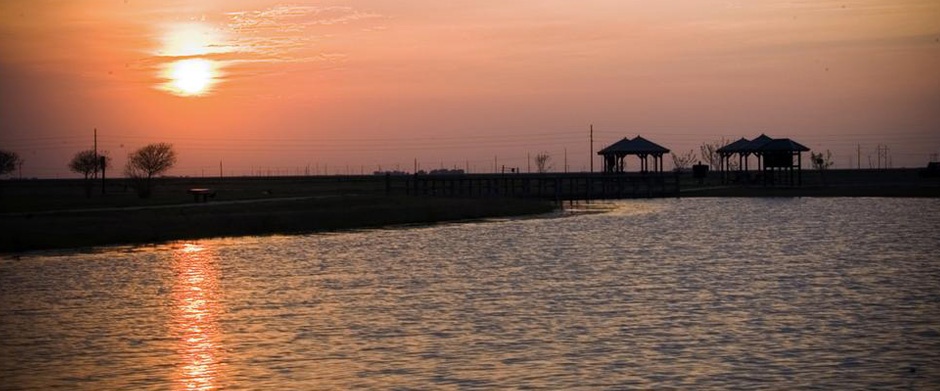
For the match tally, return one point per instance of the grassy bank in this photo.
(31, 231)
(46, 214)
(831, 183)
(815, 191)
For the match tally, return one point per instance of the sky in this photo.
(261, 87)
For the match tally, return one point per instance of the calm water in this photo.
(691, 293)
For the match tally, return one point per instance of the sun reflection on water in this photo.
(195, 321)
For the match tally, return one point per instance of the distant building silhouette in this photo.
(615, 154)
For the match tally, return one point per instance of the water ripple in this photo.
(690, 293)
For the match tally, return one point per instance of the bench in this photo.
(202, 195)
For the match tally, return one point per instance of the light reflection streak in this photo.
(195, 321)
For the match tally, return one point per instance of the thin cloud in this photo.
(283, 33)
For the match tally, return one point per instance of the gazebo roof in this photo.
(619, 146)
(736, 147)
(637, 146)
(783, 145)
(642, 145)
(758, 142)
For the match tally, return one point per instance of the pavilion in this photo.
(773, 156)
(740, 148)
(778, 157)
(644, 149)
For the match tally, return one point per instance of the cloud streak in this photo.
(290, 33)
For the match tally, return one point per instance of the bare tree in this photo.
(683, 162)
(543, 162)
(88, 163)
(9, 161)
(822, 163)
(85, 163)
(144, 163)
(710, 155)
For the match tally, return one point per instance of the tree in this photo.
(144, 163)
(710, 155)
(9, 161)
(684, 161)
(85, 163)
(542, 162)
(822, 163)
(88, 163)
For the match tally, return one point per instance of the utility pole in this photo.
(100, 162)
(103, 162)
(566, 160)
(220, 169)
(96, 150)
(879, 156)
(858, 156)
(591, 156)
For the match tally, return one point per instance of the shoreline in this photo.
(900, 191)
(123, 226)
(57, 214)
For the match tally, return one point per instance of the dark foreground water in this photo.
(691, 293)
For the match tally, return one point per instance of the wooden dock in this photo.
(554, 186)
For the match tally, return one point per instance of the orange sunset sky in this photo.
(288, 87)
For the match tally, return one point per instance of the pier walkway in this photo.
(552, 186)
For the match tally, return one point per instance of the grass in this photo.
(48, 214)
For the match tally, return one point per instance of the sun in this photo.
(188, 67)
(191, 76)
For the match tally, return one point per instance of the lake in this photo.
(675, 293)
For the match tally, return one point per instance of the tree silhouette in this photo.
(684, 161)
(822, 163)
(85, 163)
(709, 153)
(144, 163)
(9, 161)
(542, 162)
(88, 163)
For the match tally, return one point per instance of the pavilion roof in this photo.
(636, 146)
(758, 142)
(783, 145)
(736, 147)
(619, 146)
(642, 145)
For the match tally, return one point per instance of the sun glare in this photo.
(191, 77)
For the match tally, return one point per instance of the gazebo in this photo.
(743, 148)
(755, 148)
(773, 155)
(778, 157)
(615, 154)
(740, 148)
